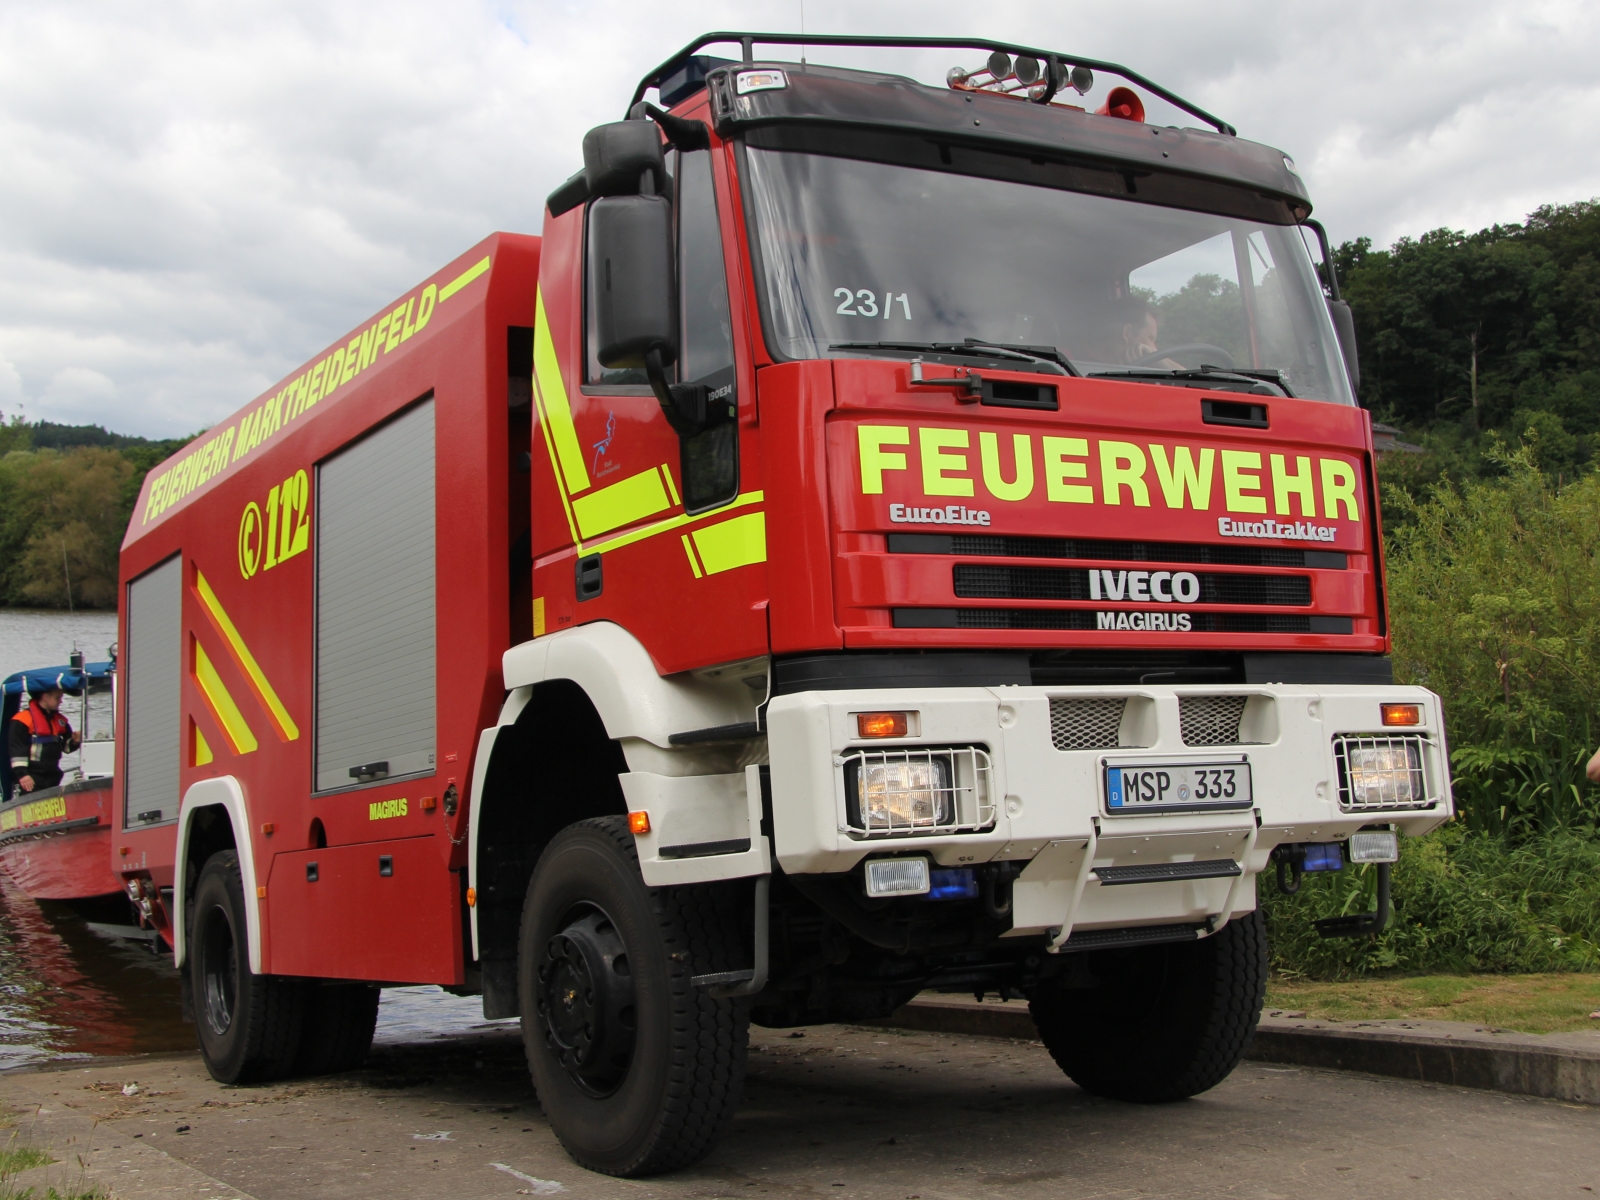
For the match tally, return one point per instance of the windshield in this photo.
(855, 252)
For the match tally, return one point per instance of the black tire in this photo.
(1166, 1022)
(596, 943)
(336, 1033)
(249, 1024)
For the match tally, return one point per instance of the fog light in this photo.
(1401, 714)
(1386, 775)
(905, 795)
(897, 877)
(1379, 847)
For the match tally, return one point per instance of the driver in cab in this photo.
(1133, 331)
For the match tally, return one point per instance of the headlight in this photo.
(906, 795)
(1383, 773)
(911, 790)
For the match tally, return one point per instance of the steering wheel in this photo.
(1189, 348)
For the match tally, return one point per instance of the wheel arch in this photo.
(211, 817)
(552, 763)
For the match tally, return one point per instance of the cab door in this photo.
(663, 542)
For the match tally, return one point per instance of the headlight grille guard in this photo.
(917, 791)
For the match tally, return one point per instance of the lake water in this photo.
(67, 991)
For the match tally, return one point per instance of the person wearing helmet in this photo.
(37, 738)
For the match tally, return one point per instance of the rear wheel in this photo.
(249, 1024)
(637, 1070)
(1165, 1022)
(336, 1033)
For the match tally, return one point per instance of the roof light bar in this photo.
(748, 41)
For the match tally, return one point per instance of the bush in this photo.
(1462, 902)
(1494, 593)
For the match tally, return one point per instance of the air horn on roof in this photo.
(1039, 82)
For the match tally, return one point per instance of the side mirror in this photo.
(1344, 324)
(632, 284)
(616, 160)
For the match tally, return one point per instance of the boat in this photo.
(55, 843)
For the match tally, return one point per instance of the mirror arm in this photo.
(681, 132)
(675, 398)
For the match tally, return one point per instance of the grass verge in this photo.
(1544, 1003)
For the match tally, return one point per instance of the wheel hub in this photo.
(586, 1002)
(220, 971)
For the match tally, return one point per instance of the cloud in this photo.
(198, 197)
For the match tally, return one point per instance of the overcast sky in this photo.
(194, 197)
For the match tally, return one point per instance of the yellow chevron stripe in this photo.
(284, 723)
(234, 726)
(557, 409)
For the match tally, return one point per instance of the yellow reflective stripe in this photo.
(227, 713)
(672, 488)
(632, 499)
(556, 408)
(202, 749)
(555, 467)
(461, 280)
(287, 729)
(730, 544)
(694, 565)
(666, 526)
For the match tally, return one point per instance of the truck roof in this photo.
(886, 117)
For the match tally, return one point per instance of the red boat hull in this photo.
(59, 847)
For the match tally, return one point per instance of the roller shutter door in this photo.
(152, 677)
(375, 605)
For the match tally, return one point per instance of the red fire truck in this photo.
(879, 537)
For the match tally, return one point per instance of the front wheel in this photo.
(1164, 1022)
(249, 1024)
(637, 1070)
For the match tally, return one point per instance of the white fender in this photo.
(633, 699)
(223, 790)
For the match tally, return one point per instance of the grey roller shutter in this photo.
(152, 678)
(375, 605)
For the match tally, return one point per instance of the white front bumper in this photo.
(1050, 807)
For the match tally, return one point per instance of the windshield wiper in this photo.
(1045, 356)
(1261, 383)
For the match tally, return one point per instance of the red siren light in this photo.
(1123, 103)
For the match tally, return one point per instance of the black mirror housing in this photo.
(616, 157)
(632, 284)
(1344, 324)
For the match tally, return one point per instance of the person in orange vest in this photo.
(37, 738)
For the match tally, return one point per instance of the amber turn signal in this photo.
(1401, 714)
(639, 822)
(881, 724)
(472, 897)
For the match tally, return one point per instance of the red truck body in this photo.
(475, 634)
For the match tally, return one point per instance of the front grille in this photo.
(1086, 724)
(1083, 618)
(1072, 583)
(1106, 550)
(1381, 774)
(1210, 720)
